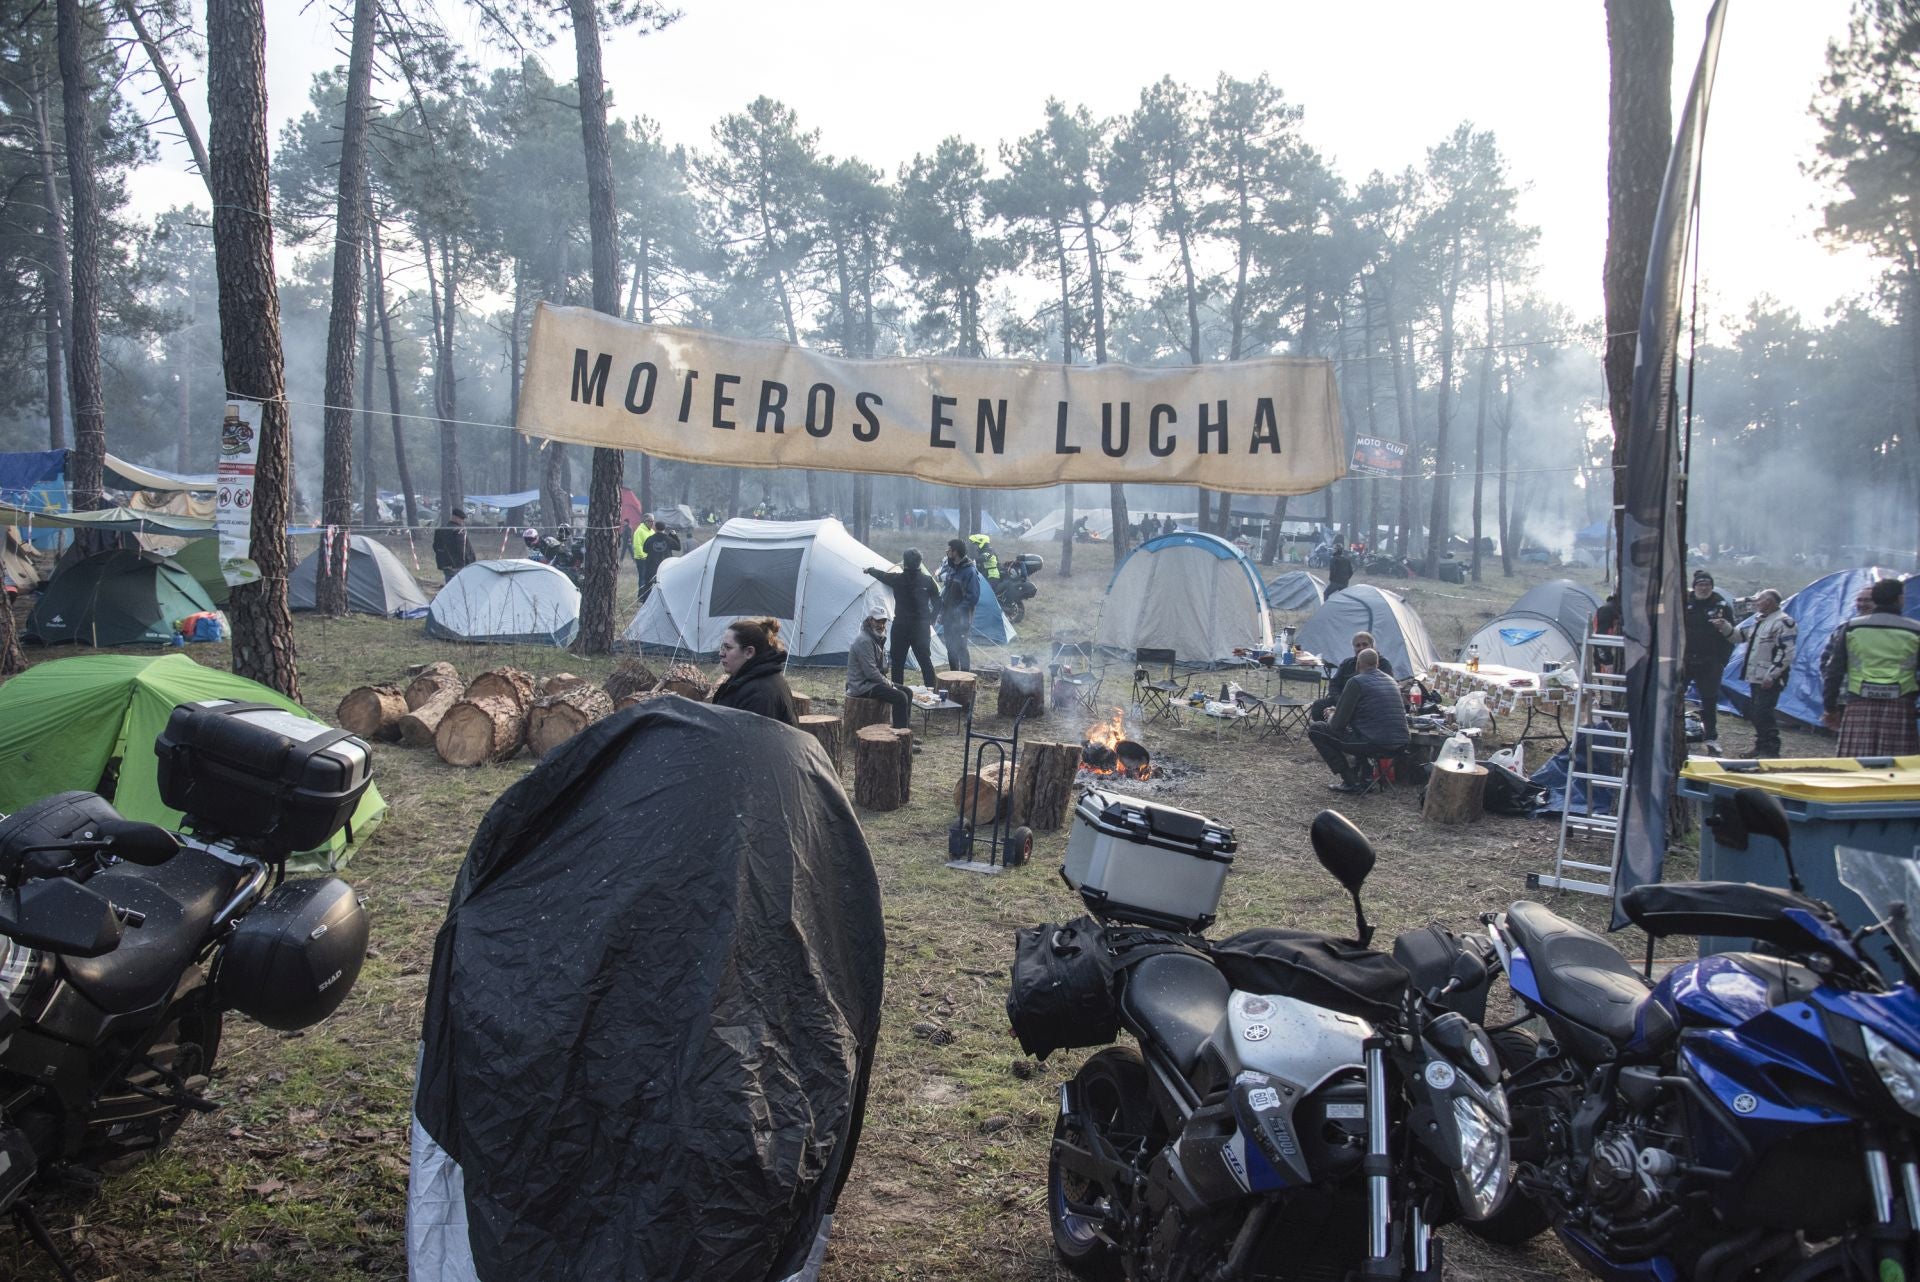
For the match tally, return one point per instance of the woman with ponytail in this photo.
(755, 661)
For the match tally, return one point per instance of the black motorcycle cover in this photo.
(654, 1003)
(1338, 974)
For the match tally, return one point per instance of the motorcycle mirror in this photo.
(62, 916)
(1344, 851)
(138, 843)
(1761, 812)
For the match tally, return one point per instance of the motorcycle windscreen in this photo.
(653, 1005)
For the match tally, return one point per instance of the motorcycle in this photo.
(1014, 588)
(1319, 1125)
(1752, 1114)
(567, 556)
(123, 945)
(1387, 567)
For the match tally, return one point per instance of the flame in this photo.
(1100, 746)
(1107, 734)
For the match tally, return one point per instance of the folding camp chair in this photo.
(1075, 680)
(1157, 697)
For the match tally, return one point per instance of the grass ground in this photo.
(302, 1174)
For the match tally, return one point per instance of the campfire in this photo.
(1106, 750)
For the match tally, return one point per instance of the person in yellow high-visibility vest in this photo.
(983, 555)
(641, 534)
(1872, 671)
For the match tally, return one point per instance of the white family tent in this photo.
(377, 582)
(1099, 522)
(1194, 594)
(507, 603)
(810, 575)
(1297, 590)
(1397, 631)
(1546, 625)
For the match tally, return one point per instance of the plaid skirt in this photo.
(1878, 728)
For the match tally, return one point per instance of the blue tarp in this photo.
(1816, 610)
(1520, 636)
(1593, 534)
(1553, 777)
(37, 481)
(505, 500)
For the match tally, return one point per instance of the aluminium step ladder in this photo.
(1597, 758)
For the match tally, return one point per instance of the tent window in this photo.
(756, 581)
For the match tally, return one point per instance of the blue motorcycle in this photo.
(1753, 1115)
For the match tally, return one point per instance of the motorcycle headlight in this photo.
(1481, 1178)
(1899, 1071)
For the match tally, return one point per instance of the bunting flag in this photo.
(1651, 567)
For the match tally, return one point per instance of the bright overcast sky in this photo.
(1380, 81)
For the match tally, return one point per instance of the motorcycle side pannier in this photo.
(260, 773)
(1141, 862)
(1061, 997)
(293, 959)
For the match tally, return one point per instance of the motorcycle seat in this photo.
(1178, 1000)
(179, 899)
(1581, 976)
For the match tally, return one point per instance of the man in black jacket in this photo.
(1709, 626)
(451, 551)
(915, 599)
(658, 546)
(1370, 721)
(1339, 569)
(1337, 685)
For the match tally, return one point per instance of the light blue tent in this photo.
(1816, 610)
(990, 623)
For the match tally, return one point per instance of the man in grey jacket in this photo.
(1370, 721)
(1768, 663)
(866, 669)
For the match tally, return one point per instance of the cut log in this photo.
(828, 729)
(418, 727)
(977, 797)
(1022, 690)
(956, 686)
(373, 712)
(857, 714)
(476, 731)
(630, 676)
(685, 679)
(510, 683)
(1456, 796)
(802, 705)
(565, 681)
(433, 678)
(558, 717)
(878, 783)
(1043, 787)
(904, 737)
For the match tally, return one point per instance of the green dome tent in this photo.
(117, 597)
(75, 722)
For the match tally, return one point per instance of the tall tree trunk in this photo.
(516, 443)
(400, 468)
(603, 492)
(369, 476)
(11, 660)
(1440, 514)
(86, 467)
(336, 476)
(1480, 428)
(1639, 138)
(182, 348)
(1403, 408)
(1096, 277)
(250, 324)
(56, 280)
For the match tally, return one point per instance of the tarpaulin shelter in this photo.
(948, 518)
(377, 582)
(506, 603)
(1099, 522)
(1195, 594)
(90, 722)
(117, 597)
(1398, 633)
(1816, 610)
(1296, 590)
(810, 575)
(1546, 625)
(652, 1012)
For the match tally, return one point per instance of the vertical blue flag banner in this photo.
(1650, 562)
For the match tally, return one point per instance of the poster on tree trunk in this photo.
(1265, 426)
(1373, 456)
(233, 495)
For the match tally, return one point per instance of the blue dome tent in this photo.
(1816, 610)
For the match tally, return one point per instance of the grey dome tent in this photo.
(377, 582)
(1546, 625)
(1297, 590)
(652, 1013)
(1397, 631)
(1195, 594)
(506, 603)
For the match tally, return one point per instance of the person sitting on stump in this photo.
(1371, 721)
(866, 670)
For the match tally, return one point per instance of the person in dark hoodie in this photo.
(755, 662)
(959, 594)
(916, 598)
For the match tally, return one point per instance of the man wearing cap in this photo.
(866, 670)
(1709, 623)
(451, 551)
(1768, 664)
(1872, 675)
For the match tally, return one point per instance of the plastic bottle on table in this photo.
(1473, 657)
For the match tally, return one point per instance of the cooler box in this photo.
(1135, 861)
(1870, 804)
